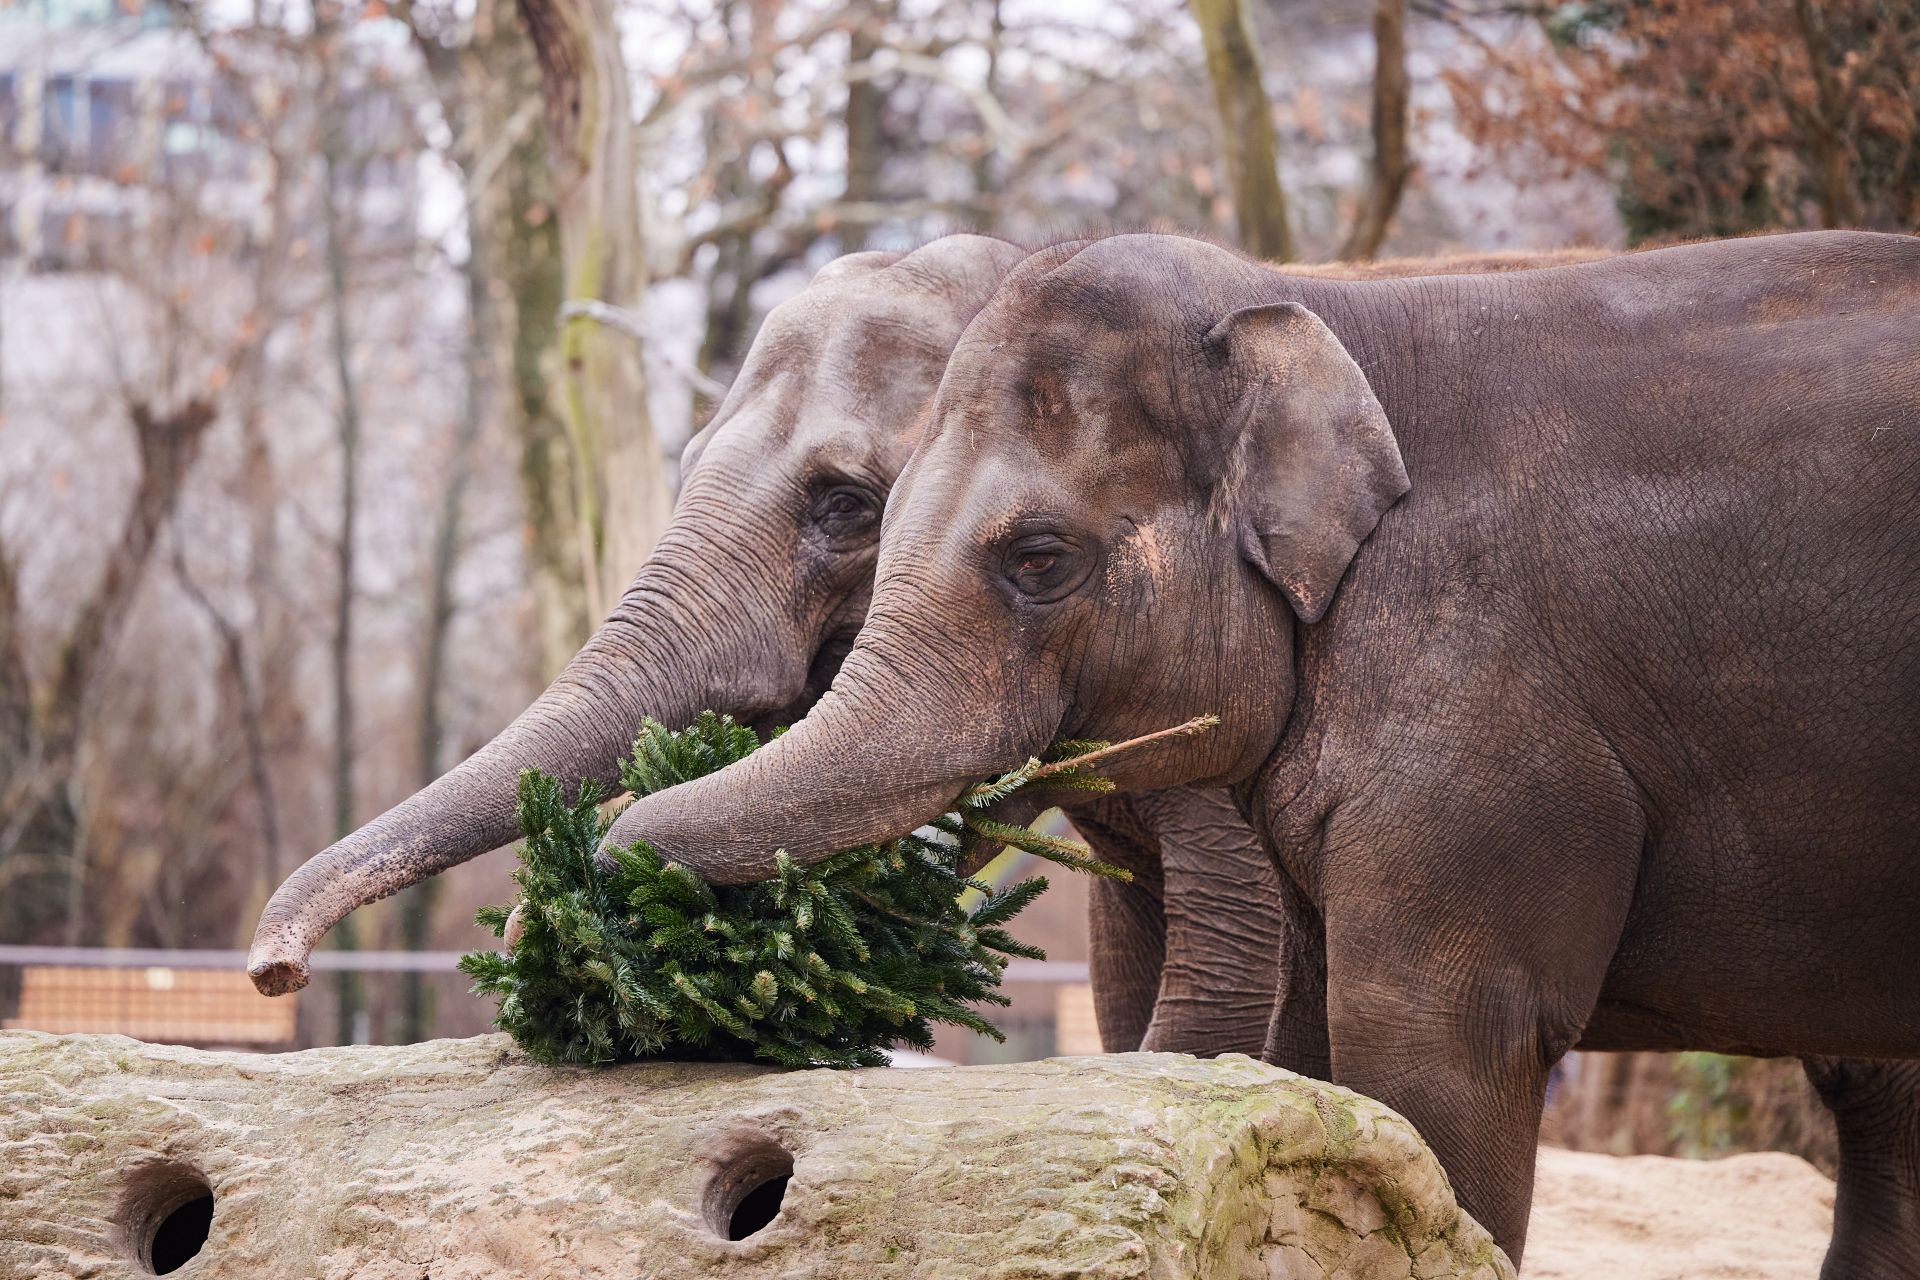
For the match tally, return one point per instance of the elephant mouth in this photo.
(821, 671)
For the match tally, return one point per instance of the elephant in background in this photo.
(745, 606)
(1560, 624)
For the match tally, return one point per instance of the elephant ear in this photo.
(1314, 464)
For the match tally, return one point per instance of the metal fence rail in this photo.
(1043, 971)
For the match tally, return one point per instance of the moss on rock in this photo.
(462, 1158)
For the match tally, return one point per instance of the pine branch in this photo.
(1036, 770)
(635, 956)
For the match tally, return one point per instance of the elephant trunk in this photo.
(652, 657)
(889, 748)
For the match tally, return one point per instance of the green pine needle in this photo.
(818, 966)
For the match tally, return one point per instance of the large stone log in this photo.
(456, 1159)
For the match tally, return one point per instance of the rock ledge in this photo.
(460, 1159)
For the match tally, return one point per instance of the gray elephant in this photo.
(1611, 737)
(747, 606)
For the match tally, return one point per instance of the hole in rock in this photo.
(761, 1206)
(181, 1234)
(166, 1211)
(748, 1187)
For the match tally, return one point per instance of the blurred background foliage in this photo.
(1713, 118)
(347, 347)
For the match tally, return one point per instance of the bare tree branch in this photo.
(233, 655)
(1004, 130)
(629, 323)
(487, 164)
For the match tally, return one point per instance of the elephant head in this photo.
(1143, 469)
(748, 603)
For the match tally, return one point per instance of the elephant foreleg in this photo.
(1224, 926)
(1469, 931)
(1126, 924)
(1876, 1210)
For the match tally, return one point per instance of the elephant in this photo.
(1559, 624)
(747, 606)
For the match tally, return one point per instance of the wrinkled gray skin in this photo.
(746, 607)
(1612, 736)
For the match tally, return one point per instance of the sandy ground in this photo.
(1764, 1216)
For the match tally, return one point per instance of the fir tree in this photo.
(820, 966)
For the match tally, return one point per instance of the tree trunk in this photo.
(489, 90)
(247, 700)
(1391, 166)
(333, 144)
(266, 702)
(16, 692)
(1246, 128)
(17, 765)
(729, 311)
(458, 1158)
(619, 484)
(866, 138)
(1838, 205)
(986, 186)
(42, 867)
(416, 904)
(523, 243)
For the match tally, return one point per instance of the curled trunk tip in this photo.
(276, 976)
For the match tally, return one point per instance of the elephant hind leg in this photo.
(1876, 1212)
(1297, 1033)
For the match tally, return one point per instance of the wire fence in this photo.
(203, 997)
(1050, 972)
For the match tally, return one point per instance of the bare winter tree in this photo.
(960, 116)
(620, 491)
(43, 807)
(483, 72)
(180, 326)
(1391, 164)
(1246, 134)
(1247, 147)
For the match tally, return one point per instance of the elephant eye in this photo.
(1042, 567)
(844, 512)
